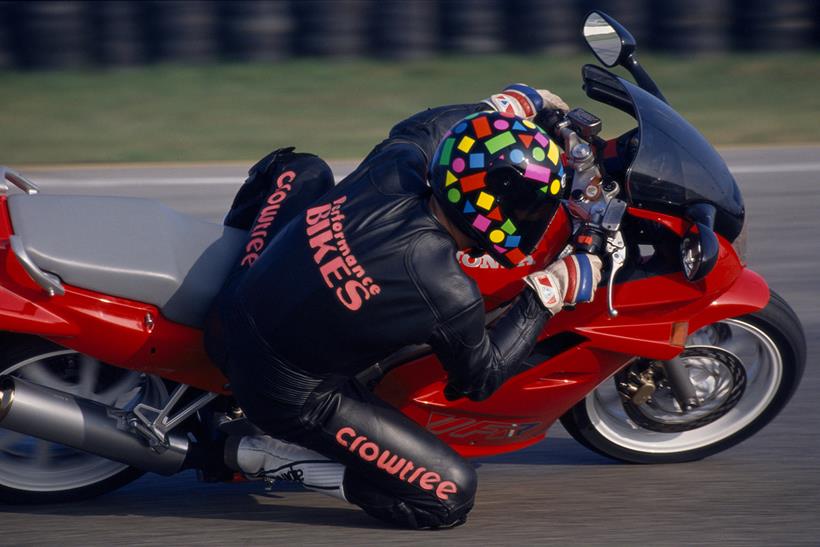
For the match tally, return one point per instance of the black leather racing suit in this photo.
(362, 271)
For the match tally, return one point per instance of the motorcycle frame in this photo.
(655, 315)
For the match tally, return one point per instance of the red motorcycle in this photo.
(684, 352)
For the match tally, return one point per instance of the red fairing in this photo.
(120, 332)
(522, 410)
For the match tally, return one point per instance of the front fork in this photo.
(681, 384)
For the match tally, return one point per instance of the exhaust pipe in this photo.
(86, 425)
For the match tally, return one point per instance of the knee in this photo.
(443, 505)
(460, 503)
(464, 476)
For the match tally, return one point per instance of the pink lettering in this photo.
(319, 242)
(416, 473)
(285, 178)
(357, 442)
(350, 296)
(393, 465)
(344, 432)
(429, 479)
(318, 227)
(333, 267)
(316, 214)
(277, 197)
(445, 488)
(407, 468)
(255, 245)
(369, 451)
(266, 217)
(333, 255)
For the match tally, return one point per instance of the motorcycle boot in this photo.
(262, 456)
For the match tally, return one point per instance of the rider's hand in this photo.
(525, 101)
(567, 282)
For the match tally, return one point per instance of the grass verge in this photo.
(341, 109)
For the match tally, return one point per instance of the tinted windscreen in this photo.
(674, 165)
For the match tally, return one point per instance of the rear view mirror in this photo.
(608, 40)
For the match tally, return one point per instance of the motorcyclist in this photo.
(368, 267)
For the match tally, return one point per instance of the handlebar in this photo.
(593, 202)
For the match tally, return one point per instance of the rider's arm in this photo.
(478, 359)
(425, 130)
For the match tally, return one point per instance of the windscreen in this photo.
(675, 165)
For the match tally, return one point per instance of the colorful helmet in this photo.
(500, 180)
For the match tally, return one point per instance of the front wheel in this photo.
(770, 347)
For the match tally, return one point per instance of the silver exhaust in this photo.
(86, 425)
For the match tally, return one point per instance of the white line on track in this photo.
(54, 182)
(50, 181)
(771, 169)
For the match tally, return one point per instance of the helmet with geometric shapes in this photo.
(500, 180)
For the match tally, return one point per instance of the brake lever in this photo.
(616, 249)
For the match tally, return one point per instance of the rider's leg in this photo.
(394, 469)
(279, 187)
(264, 180)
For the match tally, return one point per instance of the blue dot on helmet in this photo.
(516, 156)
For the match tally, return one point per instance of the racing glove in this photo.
(566, 282)
(525, 101)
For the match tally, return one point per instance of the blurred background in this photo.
(69, 34)
(194, 80)
(114, 82)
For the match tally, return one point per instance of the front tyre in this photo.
(770, 345)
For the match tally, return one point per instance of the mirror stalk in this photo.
(642, 77)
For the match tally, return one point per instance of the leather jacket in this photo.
(368, 269)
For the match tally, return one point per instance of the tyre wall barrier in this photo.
(57, 34)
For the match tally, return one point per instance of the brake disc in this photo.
(659, 413)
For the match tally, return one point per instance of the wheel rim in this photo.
(763, 366)
(31, 464)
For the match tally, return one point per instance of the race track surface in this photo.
(766, 491)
